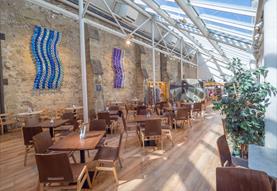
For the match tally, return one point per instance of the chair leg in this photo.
(161, 143)
(120, 163)
(115, 175)
(95, 173)
(26, 154)
(170, 138)
(126, 138)
(40, 186)
(2, 130)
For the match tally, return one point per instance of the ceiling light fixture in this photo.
(129, 39)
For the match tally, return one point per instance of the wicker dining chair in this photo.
(68, 127)
(27, 134)
(225, 154)
(98, 125)
(107, 157)
(42, 141)
(56, 172)
(130, 110)
(112, 124)
(141, 110)
(198, 108)
(114, 108)
(129, 128)
(44, 114)
(7, 119)
(182, 115)
(241, 179)
(32, 120)
(152, 132)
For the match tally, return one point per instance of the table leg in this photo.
(51, 130)
(82, 156)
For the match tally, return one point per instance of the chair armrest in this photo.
(83, 172)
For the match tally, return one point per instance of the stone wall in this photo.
(18, 19)
(101, 49)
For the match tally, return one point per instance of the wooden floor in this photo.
(189, 165)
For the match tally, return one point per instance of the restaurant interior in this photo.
(138, 95)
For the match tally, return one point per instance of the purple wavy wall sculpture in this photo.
(118, 56)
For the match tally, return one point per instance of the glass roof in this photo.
(226, 20)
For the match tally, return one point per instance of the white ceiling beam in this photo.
(141, 25)
(172, 22)
(192, 14)
(230, 32)
(172, 9)
(162, 37)
(114, 16)
(224, 7)
(229, 22)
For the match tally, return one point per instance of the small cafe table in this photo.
(73, 142)
(74, 108)
(143, 118)
(24, 114)
(263, 159)
(51, 126)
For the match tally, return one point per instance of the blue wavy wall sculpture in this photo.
(48, 65)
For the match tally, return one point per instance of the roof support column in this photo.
(83, 61)
(153, 62)
(270, 60)
(181, 50)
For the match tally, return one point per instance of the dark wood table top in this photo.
(73, 142)
(47, 124)
(143, 118)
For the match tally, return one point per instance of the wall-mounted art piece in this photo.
(118, 56)
(49, 69)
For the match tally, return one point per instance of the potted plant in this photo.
(244, 105)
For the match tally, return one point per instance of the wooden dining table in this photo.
(143, 118)
(51, 126)
(73, 142)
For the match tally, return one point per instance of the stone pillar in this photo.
(270, 61)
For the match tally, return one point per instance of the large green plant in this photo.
(245, 104)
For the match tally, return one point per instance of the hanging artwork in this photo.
(49, 69)
(118, 56)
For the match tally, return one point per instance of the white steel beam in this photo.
(160, 33)
(175, 45)
(86, 7)
(172, 22)
(114, 16)
(141, 25)
(164, 36)
(153, 63)
(191, 13)
(230, 32)
(224, 7)
(83, 61)
(229, 22)
(182, 72)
